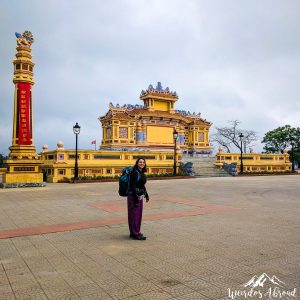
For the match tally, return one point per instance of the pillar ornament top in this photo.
(26, 39)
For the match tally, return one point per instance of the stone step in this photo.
(205, 167)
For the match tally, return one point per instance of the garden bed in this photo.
(117, 179)
(268, 174)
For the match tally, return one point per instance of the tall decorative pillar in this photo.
(23, 163)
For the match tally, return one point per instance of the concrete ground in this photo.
(206, 238)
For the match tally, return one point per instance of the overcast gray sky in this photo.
(226, 59)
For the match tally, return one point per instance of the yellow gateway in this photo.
(133, 131)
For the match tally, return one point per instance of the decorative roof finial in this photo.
(25, 39)
(158, 89)
(159, 86)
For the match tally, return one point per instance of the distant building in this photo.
(151, 125)
(133, 131)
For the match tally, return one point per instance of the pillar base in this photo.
(23, 170)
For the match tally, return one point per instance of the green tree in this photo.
(1, 160)
(281, 138)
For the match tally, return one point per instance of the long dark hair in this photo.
(137, 167)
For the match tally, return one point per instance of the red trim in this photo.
(24, 130)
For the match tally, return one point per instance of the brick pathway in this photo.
(206, 237)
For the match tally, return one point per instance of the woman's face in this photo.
(141, 164)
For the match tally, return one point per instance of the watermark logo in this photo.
(256, 288)
(256, 281)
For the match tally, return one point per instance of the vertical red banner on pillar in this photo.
(24, 136)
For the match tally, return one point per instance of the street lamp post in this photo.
(76, 130)
(242, 166)
(293, 160)
(175, 136)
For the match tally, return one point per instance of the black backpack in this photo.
(124, 181)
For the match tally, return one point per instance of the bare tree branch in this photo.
(228, 137)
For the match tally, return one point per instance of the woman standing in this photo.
(137, 191)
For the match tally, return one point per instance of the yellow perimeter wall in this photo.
(256, 162)
(59, 164)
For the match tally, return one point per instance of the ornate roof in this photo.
(131, 112)
(197, 120)
(158, 91)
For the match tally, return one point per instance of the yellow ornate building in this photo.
(151, 125)
(134, 131)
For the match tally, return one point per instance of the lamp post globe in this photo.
(76, 130)
(175, 136)
(242, 166)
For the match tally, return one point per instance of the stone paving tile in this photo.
(56, 281)
(199, 284)
(279, 267)
(5, 289)
(198, 271)
(157, 295)
(193, 296)
(150, 274)
(57, 293)
(178, 290)
(33, 292)
(121, 293)
(88, 289)
(97, 295)
(165, 281)
(111, 285)
(144, 287)
(131, 279)
(182, 277)
(239, 277)
(21, 277)
(3, 279)
(137, 297)
(13, 264)
(213, 293)
(293, 281)
(220, 280)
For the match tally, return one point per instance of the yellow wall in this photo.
(256, 162)
(22, 178)
(2, 170)
(161, 105)
(58, 164)
(160, 135)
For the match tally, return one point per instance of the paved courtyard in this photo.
(206, 238)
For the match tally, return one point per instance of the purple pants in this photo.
(135, 213)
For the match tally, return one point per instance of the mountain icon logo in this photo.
(256, 281)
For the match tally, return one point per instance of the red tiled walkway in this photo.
(202, 209)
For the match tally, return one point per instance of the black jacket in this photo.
(137, 184)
